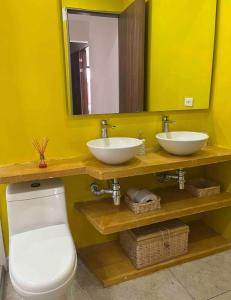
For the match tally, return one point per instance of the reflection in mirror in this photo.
(94, 63)
(104, 55)
(180, 54)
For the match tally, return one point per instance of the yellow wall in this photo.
(33, 103)
(100, 5)
(220, 117)
(180, 53)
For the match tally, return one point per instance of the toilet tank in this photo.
(36, 204)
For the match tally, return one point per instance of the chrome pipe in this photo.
(114, 191)
(179, 176)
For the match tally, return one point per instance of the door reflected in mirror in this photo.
(94, 63)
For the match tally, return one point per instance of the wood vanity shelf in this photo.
(107, 261)
(111, 265)
(108, 218)
(153, 162)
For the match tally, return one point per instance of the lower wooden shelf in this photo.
(111, 266)
(108, 218)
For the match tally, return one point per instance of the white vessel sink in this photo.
(114, 151)
(182, 142)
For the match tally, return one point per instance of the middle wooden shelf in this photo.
(107, 218)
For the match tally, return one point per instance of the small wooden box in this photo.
(154, 243)
(201, 187)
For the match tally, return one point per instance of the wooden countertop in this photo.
(153, 162)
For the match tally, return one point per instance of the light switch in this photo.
(188, 101)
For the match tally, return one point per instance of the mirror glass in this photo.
(149, 56)
(94, 57)
(180, 54)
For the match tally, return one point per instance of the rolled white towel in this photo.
(141, 195)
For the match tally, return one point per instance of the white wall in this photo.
(102, 36)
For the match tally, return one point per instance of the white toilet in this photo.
(42, 257)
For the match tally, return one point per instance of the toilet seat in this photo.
(50, 251)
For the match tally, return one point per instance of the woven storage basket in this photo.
(155, 243)
(202, 187)
(139, 208)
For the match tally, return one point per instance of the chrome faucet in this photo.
(114, 191)
(179, 176)
(104, 127)
(165, 123)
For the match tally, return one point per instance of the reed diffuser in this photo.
(41, 146)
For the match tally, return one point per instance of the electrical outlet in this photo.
(188, 101)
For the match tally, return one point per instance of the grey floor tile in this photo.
(207, 277)
(9, 292)
(157, 286)
(225, 296)
(202, 279)
(76, 291)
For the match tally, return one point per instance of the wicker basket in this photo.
(139, 208)
(155, 243)
(201, 187)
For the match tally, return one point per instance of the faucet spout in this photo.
(165, 123)
(104, 128)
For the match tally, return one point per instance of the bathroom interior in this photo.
(115, 161)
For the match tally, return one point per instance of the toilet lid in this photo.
(42, 259)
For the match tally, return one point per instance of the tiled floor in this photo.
(207, 278)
